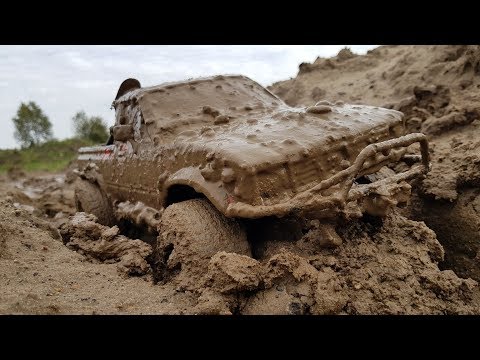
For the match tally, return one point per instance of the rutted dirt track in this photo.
(55, 261)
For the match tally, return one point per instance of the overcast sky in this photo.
(64, 79)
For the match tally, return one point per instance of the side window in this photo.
(125, 124)
(120, 118)
(123, 129)
(134, 118)
(128, 123)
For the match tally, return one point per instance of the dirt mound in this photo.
(379, 268)
(385, 75)
(83, 234)
(50, 196)
(40, 275)
(229, 280)
(362, 267)
(438, 89)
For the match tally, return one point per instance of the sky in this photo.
(64, 79)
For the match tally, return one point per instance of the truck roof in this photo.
(232, 82)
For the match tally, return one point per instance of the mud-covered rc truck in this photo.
(214, 150)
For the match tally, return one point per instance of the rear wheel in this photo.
(192, 231)
(91, 199)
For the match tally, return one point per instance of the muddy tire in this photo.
(192, 231)
(91, 199)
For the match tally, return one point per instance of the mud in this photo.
(45, 195)
(438, 89)
(363, 266)
(141, 215)
(360, 267)
(190, 233)
(377, 269)
(40, 275)
(83, 234)
(448, 198)
(207, 135)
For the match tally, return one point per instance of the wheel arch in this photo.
(188, 183)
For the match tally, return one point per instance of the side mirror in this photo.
(122, 132)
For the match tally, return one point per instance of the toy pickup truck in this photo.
(225, 147)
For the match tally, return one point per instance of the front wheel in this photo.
(192, 231)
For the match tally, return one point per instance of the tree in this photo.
(31, 125)
(90, 128)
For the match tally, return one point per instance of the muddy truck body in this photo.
(229, 140)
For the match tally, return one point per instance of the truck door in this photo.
(132, 175)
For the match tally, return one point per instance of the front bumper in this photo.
(333, 195)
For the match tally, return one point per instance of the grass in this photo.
(52, 156)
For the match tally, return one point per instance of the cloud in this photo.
(78, 61)
(64, 79)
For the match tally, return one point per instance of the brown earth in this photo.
(438, 89)
(52, 261)
(373, 268)
(40, 275)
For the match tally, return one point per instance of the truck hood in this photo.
(242, 122)
(268, 136)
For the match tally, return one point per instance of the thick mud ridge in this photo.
(388, 268)
(421, 259)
